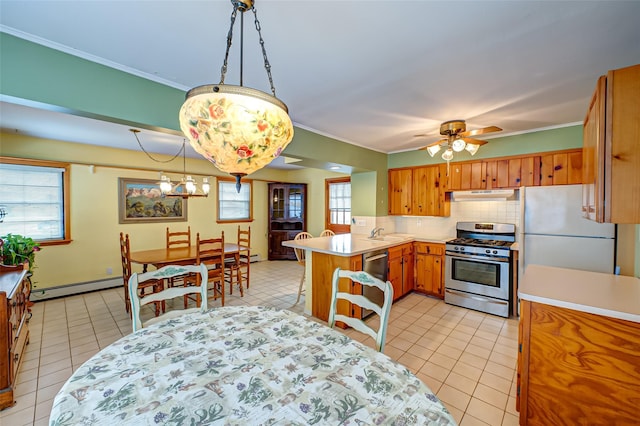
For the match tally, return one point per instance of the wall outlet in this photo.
(419, 222)
(109, 270)
(362, 222)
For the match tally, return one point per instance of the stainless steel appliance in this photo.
(478, 267)
(376, 264)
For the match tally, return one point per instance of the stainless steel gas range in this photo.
(478, 268)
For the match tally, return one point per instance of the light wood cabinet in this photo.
(322, 276)
(418, 191)
(400, 185)
(513, 172)
(14, 333)
(287, 217)
(611, 164)
(400, 269)
(552, 168)
(429, 270)
(467, 175)
(561, 168)
(576, 367)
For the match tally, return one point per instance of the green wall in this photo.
(528, 143)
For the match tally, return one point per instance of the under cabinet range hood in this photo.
(484, 195)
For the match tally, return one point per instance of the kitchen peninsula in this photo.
(325, 254)
(579, 347)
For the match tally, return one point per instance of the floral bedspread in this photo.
(243, 366)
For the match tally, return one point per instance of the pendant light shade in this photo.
(239, 129)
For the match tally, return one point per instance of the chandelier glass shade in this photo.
(457, 145)
(238, 129)
(187, 187)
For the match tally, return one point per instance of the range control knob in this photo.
(495, 252)
(461, 248)
(487, 251)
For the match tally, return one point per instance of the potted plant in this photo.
(17, 250)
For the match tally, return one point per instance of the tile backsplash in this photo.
(442, 228)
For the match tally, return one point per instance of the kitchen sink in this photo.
(388, 238)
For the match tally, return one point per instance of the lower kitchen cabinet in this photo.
(14, 331)
(323, 267)
(576, 367)
(400, 269)
(429, 268)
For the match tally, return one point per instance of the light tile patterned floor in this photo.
(467, 358)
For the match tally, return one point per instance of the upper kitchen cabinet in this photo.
(467, 175)
(287, 217)
(561, 168)
(400, 191)
(611, 149)
(513, 172)
(418, 191)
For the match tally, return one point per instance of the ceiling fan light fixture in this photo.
(238, 129)
(433, 149)
(458, 145)
(472, 148)
(447, 155)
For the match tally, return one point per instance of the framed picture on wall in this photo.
(140, 200)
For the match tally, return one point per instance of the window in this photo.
(338, 202)
(35, 196)
(234, 206)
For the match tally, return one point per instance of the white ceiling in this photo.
(370, 73)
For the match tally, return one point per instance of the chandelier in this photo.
(187, 187)
(238, 129)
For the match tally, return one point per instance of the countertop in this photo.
(353, 244)
(610, 295)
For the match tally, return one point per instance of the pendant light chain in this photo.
(223, 71)
(267, 65)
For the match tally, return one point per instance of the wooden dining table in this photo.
(244, 365)
(177, 256)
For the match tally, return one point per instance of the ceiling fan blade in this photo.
(474, 141)
(432, 144)
(475, 132)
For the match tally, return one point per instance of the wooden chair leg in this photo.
(239, 280)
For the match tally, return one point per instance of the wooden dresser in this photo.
(15, 289)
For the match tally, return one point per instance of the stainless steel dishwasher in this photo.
(376, 264)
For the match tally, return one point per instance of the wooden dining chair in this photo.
(211, 253)
(179, 239)
(238, 266)
(327, 233)
(364, 279)
(144, 285)
(300, 257)
(198, 272)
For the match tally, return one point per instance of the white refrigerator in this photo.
(556, 234)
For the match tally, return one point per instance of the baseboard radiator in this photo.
(71, 289)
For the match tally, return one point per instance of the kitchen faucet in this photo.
(375, 231)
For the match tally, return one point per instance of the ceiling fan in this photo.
(458, 138)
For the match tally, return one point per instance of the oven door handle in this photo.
(474, 297)
(477, 257)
